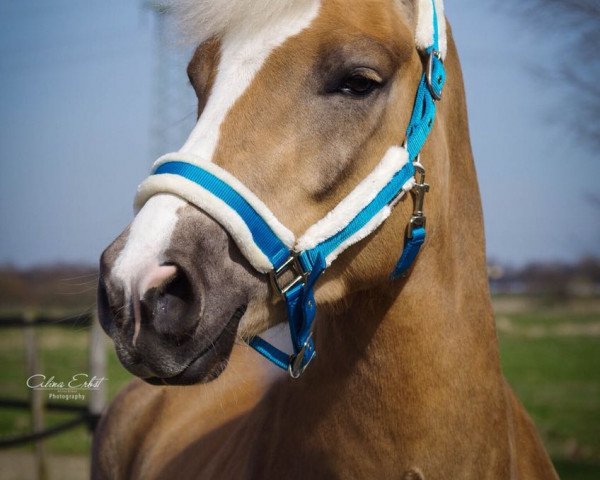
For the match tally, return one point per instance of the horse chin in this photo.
(209, 363)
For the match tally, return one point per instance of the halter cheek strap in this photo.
(294, 266)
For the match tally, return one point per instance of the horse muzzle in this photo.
(174, 316)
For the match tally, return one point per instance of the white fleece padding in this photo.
(363, 194)
(285, 235)
(371, 225)
(213, 206)
(424, 26)
(362, 233)
(393, 161)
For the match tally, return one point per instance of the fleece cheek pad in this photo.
(334, 222)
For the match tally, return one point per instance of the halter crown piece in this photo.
(294, 266)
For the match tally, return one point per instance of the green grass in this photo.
(556, 376)
(577, 470)
(63, 353)
(552, 318)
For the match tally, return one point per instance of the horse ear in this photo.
(422, 15)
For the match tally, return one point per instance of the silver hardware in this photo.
(295, 367)
(429, 73)
(293, 265)
(420, 188)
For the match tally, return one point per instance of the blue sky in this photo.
(79, 128)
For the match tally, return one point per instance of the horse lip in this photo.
(186, 376)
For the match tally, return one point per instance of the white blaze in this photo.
(243, 52)
(244, 49)
(149, 238)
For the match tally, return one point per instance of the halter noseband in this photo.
(295, 266)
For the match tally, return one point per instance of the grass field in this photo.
(550, 355)
(63, 354)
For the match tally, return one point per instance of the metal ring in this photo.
(429, 72)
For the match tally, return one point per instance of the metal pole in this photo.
(36, 396)
(97, 366)
(174, 100)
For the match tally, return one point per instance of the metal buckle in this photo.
(429, 72)
(418, 218)
(295, 367)
(293, 265)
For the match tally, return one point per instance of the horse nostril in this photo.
(173, 305)
(179, 286)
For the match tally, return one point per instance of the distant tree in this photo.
(62, 287)
(551, 280)
(589, 268)
(548, 279)
(577, 67)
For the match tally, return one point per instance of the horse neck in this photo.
(404, 344)
(406, 339)
(406, 369)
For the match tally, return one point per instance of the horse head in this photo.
(298, 100)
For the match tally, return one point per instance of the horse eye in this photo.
(358, 85)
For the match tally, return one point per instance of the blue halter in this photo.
(295, 273)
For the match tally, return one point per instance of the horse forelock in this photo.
(200, 20)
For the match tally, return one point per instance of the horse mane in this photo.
(199, 20)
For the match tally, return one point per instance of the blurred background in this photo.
(92, 92)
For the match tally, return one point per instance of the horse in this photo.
(298, 102)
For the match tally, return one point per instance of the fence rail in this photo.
(25, 320)
(83, 414)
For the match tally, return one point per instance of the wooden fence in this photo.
(36, 404)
